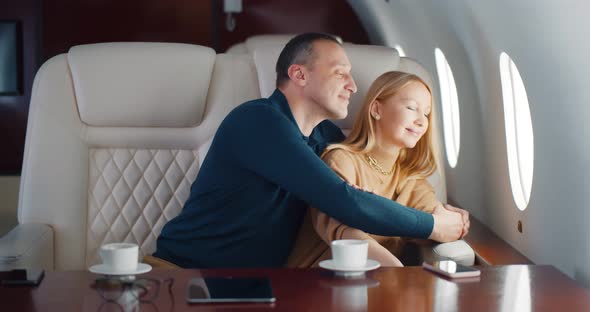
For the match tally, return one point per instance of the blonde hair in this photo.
(418, 162)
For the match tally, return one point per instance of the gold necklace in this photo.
(377, 166)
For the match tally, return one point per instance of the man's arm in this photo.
(264, 141)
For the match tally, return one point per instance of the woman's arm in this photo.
(423, 197)
(330, 229)
(420, 195)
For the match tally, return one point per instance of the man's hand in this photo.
(464, 215)
(448, 225)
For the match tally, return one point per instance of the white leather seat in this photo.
(116, 135)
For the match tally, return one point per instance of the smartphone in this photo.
(230, 289)
(451, 269)
(22, 277)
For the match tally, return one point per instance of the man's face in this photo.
(328, 83)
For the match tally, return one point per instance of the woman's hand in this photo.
(448, 225)
(464, 216)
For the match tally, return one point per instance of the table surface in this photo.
(500, 288)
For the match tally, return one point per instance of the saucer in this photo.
(349, 271)
(105, 270)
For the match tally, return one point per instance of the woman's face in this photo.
(403, 116)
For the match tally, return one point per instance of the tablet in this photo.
(230, 289)
(22, 277)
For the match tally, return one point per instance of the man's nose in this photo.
(351, 85)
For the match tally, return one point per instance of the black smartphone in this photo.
(22, 277)
(229, 289)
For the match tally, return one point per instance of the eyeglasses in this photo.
(144, 290)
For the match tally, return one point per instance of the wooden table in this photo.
(519, 288)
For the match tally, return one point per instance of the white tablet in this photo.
(229, 289)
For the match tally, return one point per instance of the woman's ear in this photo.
(297, 74)
(375, 109)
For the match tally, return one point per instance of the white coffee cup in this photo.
(349, 253)
(120, 257)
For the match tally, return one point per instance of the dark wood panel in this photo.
(14, 108)
(73, 22)
(500, 288)
(287, 16)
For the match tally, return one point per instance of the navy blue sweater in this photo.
(251, 193)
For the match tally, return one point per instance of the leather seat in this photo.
(116, 136)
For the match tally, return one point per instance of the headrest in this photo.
(261, 41)
(140, 84)
(368, 62)
(409, 65)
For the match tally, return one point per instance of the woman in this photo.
(390, 151)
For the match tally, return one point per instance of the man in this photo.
(263, 169)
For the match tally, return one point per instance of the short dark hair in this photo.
(299, 51)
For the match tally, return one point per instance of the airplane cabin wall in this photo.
(547, 40)
(395, 23)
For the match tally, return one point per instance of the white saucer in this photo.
(348, 271)
(105, 270)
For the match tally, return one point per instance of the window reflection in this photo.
(350, 295)
(517, 290)
(448, 266)
(446, 294)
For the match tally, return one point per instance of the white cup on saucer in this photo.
(349, 253)
(120, 257)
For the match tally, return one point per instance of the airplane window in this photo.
(519, 131)
(400, 50)
(450, 107)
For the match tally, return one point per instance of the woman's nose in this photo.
(421, 120)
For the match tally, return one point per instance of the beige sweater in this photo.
(318, 229)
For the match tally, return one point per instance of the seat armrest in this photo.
(27, 246)
(459, 251)
(417, 251)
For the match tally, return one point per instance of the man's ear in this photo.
(297, 74)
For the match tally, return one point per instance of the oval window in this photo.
(450, 107)
(519, 132)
